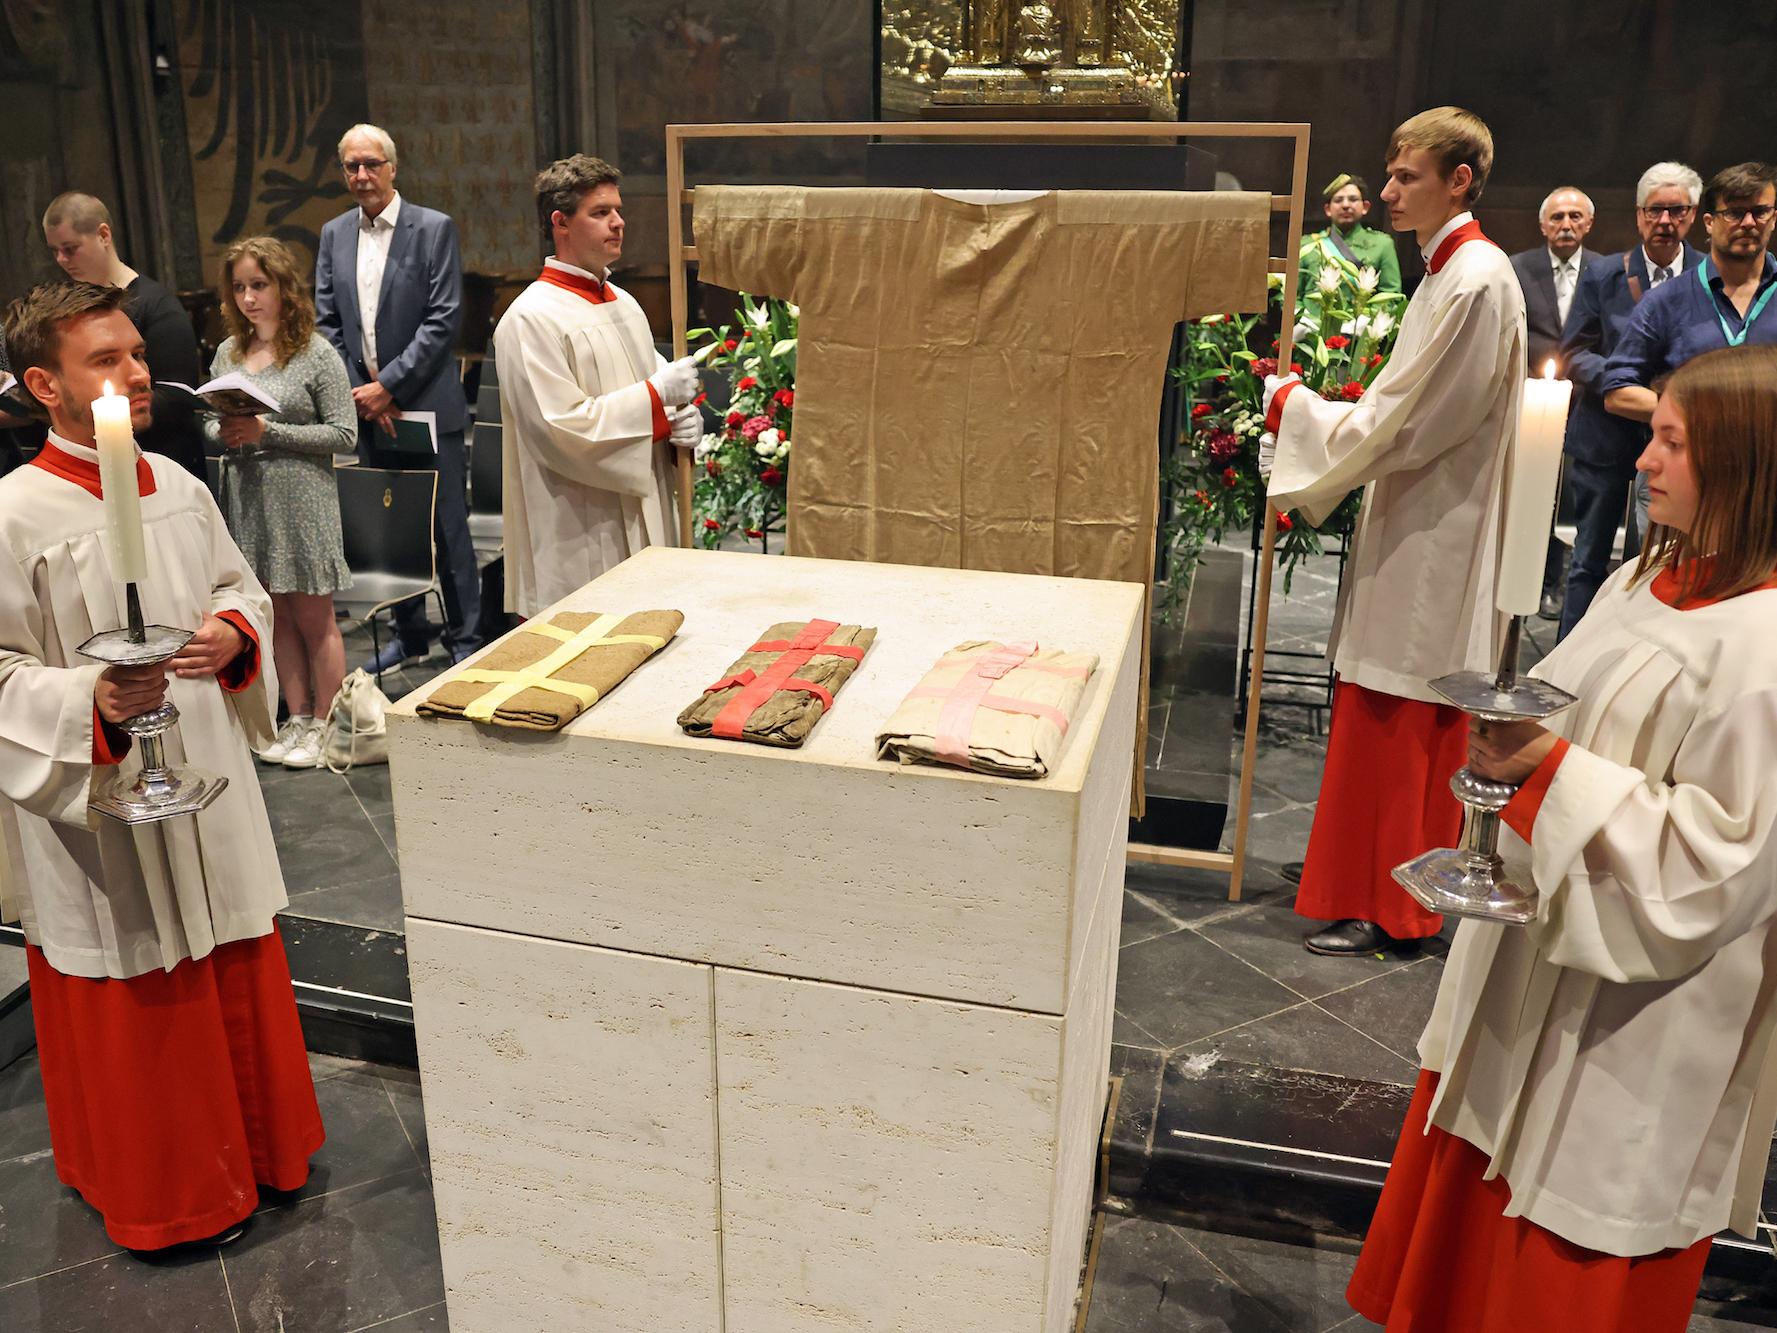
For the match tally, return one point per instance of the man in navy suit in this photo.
(1601, 447)
(389, 297)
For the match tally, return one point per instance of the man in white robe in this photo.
(159, 985)
(1429, 440)
(588, 406)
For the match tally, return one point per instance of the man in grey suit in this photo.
(1549, 276)
(389, 297)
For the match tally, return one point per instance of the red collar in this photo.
(84, 474)
(591, 288)
(1669, 588)
(1468, 231)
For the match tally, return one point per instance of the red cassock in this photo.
(1384, 798)
(1442, 1257)
(173, 1095)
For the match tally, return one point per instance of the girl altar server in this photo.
(1598, 1093)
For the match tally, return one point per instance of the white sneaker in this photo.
(288, 735)
(305, 750)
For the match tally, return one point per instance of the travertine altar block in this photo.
(716, 1036)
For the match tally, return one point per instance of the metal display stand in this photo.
(1231, 863)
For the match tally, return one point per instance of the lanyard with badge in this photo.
(1758, 306)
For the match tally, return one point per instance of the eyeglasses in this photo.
(1654, 212)
(1734, 212)
(370, 164)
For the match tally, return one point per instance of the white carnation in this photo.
(766, 445)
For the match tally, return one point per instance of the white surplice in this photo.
(1429, 439)
(102, 898)
(585, 484)
(1614, 1058)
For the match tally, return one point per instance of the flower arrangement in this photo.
(743, 468)
(1344, 331)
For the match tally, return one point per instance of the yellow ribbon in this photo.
(538, 674)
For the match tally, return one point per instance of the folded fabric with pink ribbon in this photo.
(1000, 708)
(781, 686)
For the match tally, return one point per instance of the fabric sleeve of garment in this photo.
(435, 340)
(657, 413)
(753, 238)
(1520, 812)
(233, 588)
(1583, 333)
(335, 429)
(602, 440)
(1635, 363)
(110, 744)
(327, 320)
(47, 717)
(1645, 882)
(1424, 403)
(170, 344)
(244, 669)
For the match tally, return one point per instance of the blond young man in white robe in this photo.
(1604, 1077)
(1429, 441)
(589, 410)
(173, 1064)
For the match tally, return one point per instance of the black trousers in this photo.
(1600, 499)
(457, 575)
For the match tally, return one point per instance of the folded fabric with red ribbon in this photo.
(1000, 708)
(781, 686)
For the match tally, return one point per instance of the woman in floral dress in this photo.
(279, 492)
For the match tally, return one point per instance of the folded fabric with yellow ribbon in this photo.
(782, 685)
(546, 673)
(1000, 708)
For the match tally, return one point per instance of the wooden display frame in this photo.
(1232, 863)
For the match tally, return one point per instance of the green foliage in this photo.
(743, 468)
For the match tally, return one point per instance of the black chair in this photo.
(213, 473)
(386, 520)
(487, 530)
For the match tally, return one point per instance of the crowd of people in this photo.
(1597, 1095)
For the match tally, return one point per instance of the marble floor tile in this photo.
(365, 1139)
(183, 1294)
(324, 838)
(373, 903)
(1308, 1039)
(1393, 1007)
(1301, 1286)
(1270, 938)
(24, 1129)
(1151, 1279)
(1180, 987)
(44, 1225)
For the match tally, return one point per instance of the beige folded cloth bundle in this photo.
(544, 674)
(782, 685)
(1000, 708)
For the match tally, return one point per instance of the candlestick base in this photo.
(1452, 882)
(157, 790)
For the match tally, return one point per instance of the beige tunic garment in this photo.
(1615, 1057)
(585, 484)
(98, 897)
(1430, 440)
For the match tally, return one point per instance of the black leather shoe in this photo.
(1551, 606)
(1350, 938)
(1292, 871)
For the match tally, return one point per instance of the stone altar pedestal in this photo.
(718, 1037)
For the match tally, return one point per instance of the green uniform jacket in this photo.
(1369, 245)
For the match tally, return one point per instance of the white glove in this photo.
(1267, 454)
(676, 382)
(687, 426)
(1272, 384)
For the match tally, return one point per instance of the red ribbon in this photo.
(756, 688)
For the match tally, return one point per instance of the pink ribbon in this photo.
(956, 720)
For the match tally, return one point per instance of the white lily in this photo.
(759, 318)
(1380, 324)
(1329, 280)
(1367, 278)
(795, 310)
(1306, 327)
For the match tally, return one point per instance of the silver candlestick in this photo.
(1470, 880)
(158, 791)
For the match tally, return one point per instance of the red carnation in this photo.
(1337, 341)
(1221, 379)
(747, 382)
(1201, 410)
(784, 397)
(730, 345)
(1295, 369)
(1265, 365)
(698, 401)
(1230, 478)
(1201, 497)
(1352, 391)
(1284, 523)
(735, 418)
(754, 532)
(771, 476)
(1374, 359)
(712, 467)
(712, 525)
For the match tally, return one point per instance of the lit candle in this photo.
(116, 444)
(1533, 477)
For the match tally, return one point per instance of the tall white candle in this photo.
(116, 444)
(1533, 479)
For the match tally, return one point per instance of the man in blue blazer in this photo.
(1601, 447)
(389, 297)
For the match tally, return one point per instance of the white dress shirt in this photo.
(1567, 278)
(374, 237)
(1653, 270)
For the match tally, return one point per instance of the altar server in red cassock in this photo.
(173, 1064)
(1428, 441)
(1599, 1087)
(587, 404)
